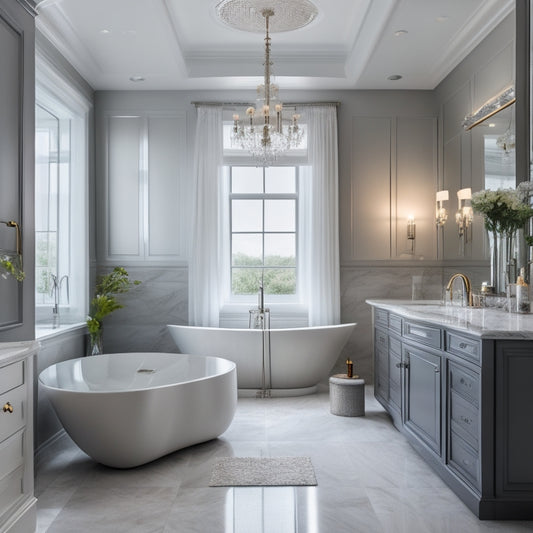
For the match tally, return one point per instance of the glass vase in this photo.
(96, 343)
(503, 269)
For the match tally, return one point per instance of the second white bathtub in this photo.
(299, 357)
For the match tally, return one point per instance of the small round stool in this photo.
(346, 395)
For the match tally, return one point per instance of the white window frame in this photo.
(278, 298)
(286, 311)
(60, 98)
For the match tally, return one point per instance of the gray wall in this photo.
(394, 153)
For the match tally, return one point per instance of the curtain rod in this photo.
(285, 104)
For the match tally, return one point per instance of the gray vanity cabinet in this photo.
(465, 402)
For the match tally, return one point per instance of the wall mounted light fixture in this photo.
(464, 214)
(441, 215)
(411, 232)
(499, 102)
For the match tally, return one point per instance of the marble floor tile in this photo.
(131, 510)
(370, 480)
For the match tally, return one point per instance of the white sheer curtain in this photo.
(205, 266)
(319, 218)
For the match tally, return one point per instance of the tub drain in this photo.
(145, 371)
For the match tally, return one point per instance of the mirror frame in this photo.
(523, 122)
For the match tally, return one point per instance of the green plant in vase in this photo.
(11, 265)
(105, 302)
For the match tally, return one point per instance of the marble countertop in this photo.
(485, 322)
(13, 351)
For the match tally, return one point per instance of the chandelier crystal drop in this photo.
(262, 132)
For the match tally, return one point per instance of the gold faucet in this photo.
(467, 287)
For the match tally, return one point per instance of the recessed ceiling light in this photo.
(136, 79)
(394, 77)
(492, 125)
(400, 33)
(442, 18)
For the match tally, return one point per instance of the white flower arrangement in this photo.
(504, 210)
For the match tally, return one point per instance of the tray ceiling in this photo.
(352, 44)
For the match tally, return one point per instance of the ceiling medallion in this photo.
(247, 15)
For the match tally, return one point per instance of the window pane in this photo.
(245, 280)
(280, 281)
(247, 249)
(246, 215)
(280, 180)
(280, 215)
(246, 180)
(280, 249)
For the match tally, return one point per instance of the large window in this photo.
(263, 229)
(52, 184)
(61, 197)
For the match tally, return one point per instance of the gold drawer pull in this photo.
(8, 408)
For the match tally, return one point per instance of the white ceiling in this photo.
(180, 44)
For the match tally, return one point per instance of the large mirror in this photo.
(499, 150)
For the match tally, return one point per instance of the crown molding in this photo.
(486, 18)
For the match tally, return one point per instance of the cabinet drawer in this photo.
(464, 420)
(381, 317)
(464, 459)
(12, 453)
(464, 382)
(395, 323)
(12, 422)
(424, 334)
(463, 346)
(381, 340)
(11, 376)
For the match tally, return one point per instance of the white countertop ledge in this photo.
(487, 323)
(13, 351)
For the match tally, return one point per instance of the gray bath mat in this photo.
(262, 472)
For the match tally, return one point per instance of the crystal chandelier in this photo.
(263, 133)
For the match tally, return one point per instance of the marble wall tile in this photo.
(161, 299)
(361, 283)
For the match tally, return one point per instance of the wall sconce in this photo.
(464, 215)
(411, 232)
(441, 215)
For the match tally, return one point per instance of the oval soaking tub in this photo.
(125, 410)
(298, 358)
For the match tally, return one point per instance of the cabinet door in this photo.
(11, 181)
(423, 395)
(381, 375)
(381, 365)
(514, 430)
(395, 383)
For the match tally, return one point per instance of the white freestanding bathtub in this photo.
(127, 409)
(298, 359)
